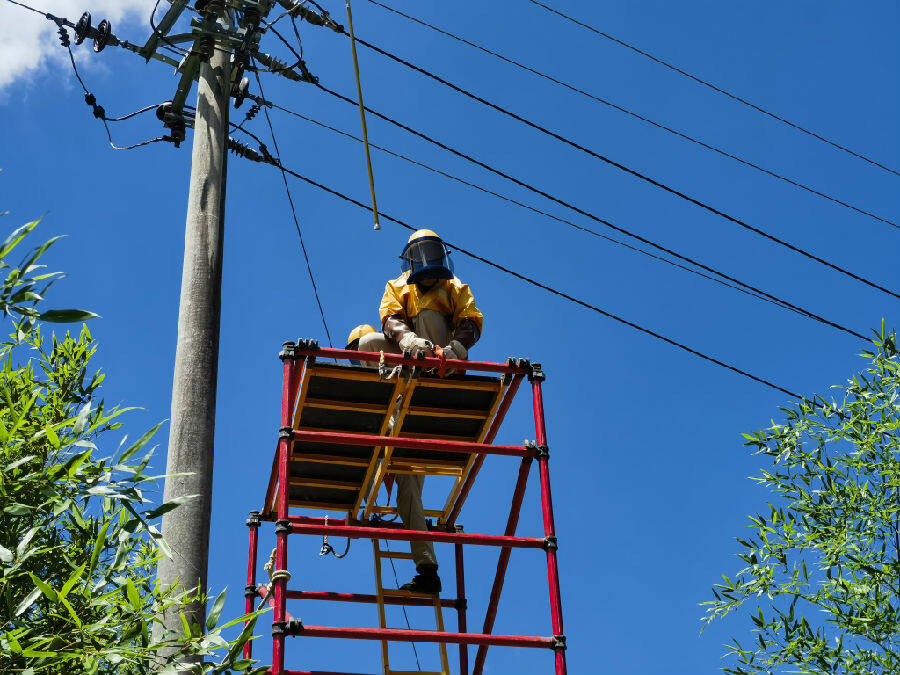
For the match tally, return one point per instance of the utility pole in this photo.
(189, 466)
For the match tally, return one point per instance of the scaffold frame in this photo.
(296, 358)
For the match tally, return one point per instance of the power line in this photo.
(287, 191)
(705, 83)
(638, 116)
(538, 284)
(736, 284)
(570, 206)
(626, 169)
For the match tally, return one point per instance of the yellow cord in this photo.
(362, 116)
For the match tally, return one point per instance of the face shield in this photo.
(426, 258)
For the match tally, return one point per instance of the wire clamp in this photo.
(283, 527)
(550, 543)
(253, 519)
(558, 643)
(537, 374)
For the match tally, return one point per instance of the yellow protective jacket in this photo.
(450, 297)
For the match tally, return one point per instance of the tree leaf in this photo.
(5, 555)
(28, 601)
(17, 236)
(139, 443)
(67, 315)
(213, 617)
(45, 588)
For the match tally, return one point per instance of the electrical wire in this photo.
(287, 190)
(538, 284)
(99, 112)
(712, 86)
(626, 169)
(638, 116)
(721, 277)
(570, 206)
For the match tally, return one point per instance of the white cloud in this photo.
(28, 41)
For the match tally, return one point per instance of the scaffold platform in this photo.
(345, 431)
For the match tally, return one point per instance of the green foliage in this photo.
(821, 582)
(78, 548)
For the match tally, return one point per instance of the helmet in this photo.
(426, 257)
(357, 333)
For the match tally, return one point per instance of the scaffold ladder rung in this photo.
(381, 592)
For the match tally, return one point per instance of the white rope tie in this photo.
(274, 575)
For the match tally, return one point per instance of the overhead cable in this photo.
(626, 169)
(540, 285)
(721, 277)
(287, 191)
(718, 89)
(638, 116)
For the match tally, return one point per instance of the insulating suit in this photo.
(445, 314)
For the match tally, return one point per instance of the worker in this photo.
(426, 306)
(354, 337)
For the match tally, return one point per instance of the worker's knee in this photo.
(377, 342)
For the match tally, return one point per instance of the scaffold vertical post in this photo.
(461, 607)
(512, 523)
(250, 589)
(282, 527)
(540, 429)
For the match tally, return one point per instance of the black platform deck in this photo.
(354, 399)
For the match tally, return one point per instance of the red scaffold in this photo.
(344, 430)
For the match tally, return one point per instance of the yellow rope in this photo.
(362, 116)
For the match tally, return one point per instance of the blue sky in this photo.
(648, 467)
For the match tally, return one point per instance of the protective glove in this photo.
(455, 350)
(415, 345)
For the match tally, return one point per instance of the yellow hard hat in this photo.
(357, 333)
(419, 234)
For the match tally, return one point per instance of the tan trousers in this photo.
(432, 326)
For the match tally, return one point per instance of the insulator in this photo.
(240, 92)
(243, 150)
(64, 36)
(90, 99)
(104, 31)
(82, 28)
(252, 112)
(282, 68)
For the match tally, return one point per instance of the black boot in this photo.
(426, 581)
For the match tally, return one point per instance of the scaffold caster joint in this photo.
(532, 446)
(283, 526)
(285, 432)
(279, 628)
(249, 591)
(550, 544)
(537, 374)
(558, 643)
(458, 529)
(288, 351)
(461, 604)
(543, 452)
(253, 519)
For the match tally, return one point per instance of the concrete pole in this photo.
(186, 529)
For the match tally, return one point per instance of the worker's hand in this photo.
(415, 345)
(455, 350)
